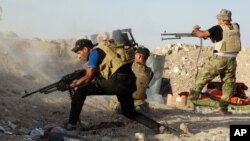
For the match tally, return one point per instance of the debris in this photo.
(106, 139)
(4, 131)
(139, 136)
(12, 125)
(36, 133)
(58, 129)
(103, 125)
(184, 128)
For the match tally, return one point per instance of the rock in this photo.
(22, 131)
(177, 49)
(49, 127)
(176, 69)
(185, 48)
(12, 125)
(166, 51)
(169, 46)
(139, 136)
(106, 139)
(70, 139)
(36, 133)
(179, 45)
(184, 128)
(58, 129)
(195, 46)
(2, 129)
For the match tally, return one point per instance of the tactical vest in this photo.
(143, 76)
(117, 55)
(231, 40)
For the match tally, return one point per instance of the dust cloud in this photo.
(34, 61)
(1, 11)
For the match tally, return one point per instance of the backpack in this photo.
(117, 55)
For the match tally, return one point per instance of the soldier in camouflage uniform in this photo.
(226, 37)
(143, 76)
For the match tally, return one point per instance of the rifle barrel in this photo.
(46, 88)
(42, 90)
(176, 35)
(50, 91)
(67, 79)
(28, 94)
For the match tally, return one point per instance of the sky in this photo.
(57, 19)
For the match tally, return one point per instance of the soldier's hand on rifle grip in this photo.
(73, 84)
(62, 87)
(196, 27)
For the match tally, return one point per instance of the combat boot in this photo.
(69, 127)
(142, 107)
(224, 111)
(190, 104)
(193, 95)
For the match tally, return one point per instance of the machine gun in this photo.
(128, 37)
(176, 35)
(165, 36)
(61, 85)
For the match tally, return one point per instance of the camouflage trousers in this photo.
(224, 67)
(140, 105)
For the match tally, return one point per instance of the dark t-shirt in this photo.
(216, 33)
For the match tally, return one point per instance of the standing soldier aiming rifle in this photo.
(226, 39)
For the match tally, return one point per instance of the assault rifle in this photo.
(61, 85)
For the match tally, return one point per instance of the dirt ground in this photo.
(32, 64)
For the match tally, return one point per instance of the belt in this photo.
(225, 54)
(122, 76)
(215, 51)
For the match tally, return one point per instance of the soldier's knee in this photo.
(193, 94)
(128, 114)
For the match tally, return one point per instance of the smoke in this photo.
(34, 61)
(1, 11)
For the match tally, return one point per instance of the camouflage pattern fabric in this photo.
(117, 55)
(141, 106)
(225, 67)
(216, 104)
(143, 76)
(114, 105)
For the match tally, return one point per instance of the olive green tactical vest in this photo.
(231, 40)
(117, 55)
(143, 76)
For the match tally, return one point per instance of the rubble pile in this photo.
(183, 61)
